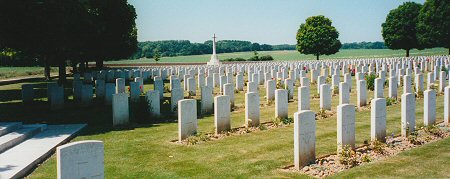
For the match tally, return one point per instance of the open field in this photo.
(144, 150)
(11, 72)
(294, 55)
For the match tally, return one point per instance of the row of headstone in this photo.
(268, 74)
(304, 119)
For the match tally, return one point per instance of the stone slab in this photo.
(20, 160)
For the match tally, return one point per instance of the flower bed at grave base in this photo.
(200, 138)
(332, 164)
(364, 108)
(324, 114)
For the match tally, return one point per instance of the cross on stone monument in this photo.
(214, 59)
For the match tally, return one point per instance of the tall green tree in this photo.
(58, 32)
(156, 55)
(399, 31)
(433, 26)
(115, 35)
(50, 30)
(318, 37)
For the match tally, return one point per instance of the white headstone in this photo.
(82, 159)
(252, 87)
(120, 109)
(303, 98)
(345, 126)
(281, 103)
(239, 82)
(206, 100)
(320, 81)
(407, 84)
(159, 86)
(252, 110)
(191, 87)
(176, 95)
(222, 110)
(270, 90)
(447, 105)
(304, 81)
(304, 138)
(140, 81)
(344, 93)
(393, 87)
(378, 88)
(325, 97)
(289, 86)
(429, 107)
(187, 118)
(223, 81)
(430, 80)
(378, 120)
(110, 89)
(55, 96)
(228, 89)
(120, 85)
(153, 102)
(201, 80)
(361, 93)
(442, 81)
(408, 115)
(135, 92)
(419, 83)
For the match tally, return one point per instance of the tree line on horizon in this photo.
(170, 48)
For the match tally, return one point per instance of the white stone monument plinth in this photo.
(214, 59)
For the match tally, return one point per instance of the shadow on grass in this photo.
(97, 116)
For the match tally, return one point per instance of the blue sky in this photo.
(262, 21)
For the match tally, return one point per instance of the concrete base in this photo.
(18, 161)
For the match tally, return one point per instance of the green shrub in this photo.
(288, 120)
(444, 69)
(434, 130)
(413, 138)
(192, 140)
(391, 101)
(234, 59)
(266, 58)
(377, 146)
(370, 80)
(279, 85)
(254, 58)
(366, 158)
(262, 127)
(335, 89)
(347, 156)
(282, 121)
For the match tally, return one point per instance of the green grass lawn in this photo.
(12, 72)
(144, 150)
(294, 55)
(429, 161)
